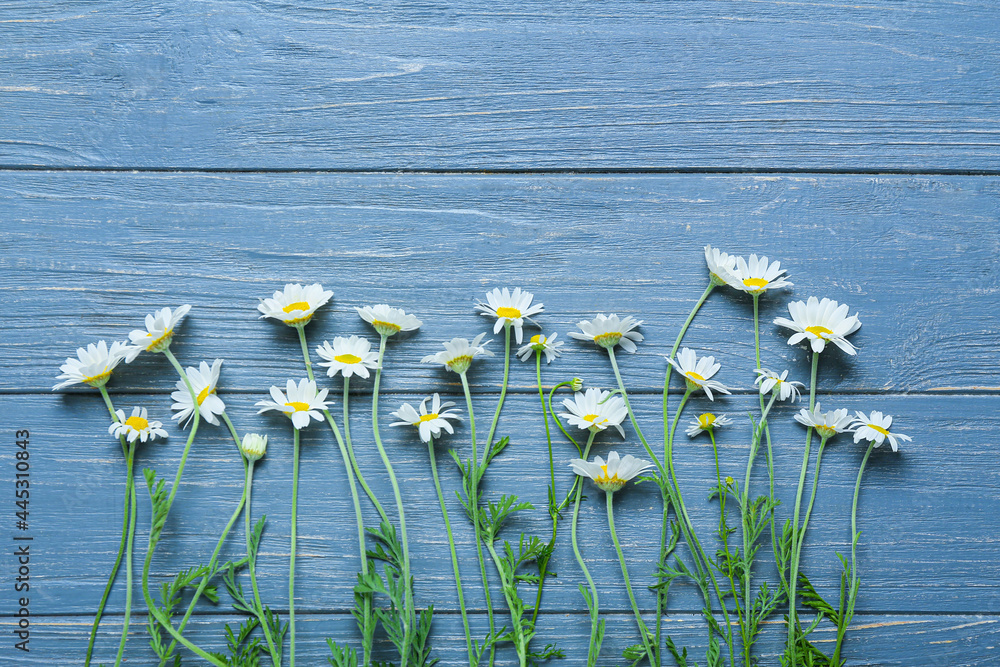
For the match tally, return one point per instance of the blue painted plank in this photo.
(698, 84)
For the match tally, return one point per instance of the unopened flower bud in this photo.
(253, 446)
(576, 384)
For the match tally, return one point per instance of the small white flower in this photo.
(595, 410)
(707, 422)
(541, 344)
(301, 403)
(610, 330)
(428, 423)
(253, 446)
(137, 427)
(511, 308)
(158, 334)
(93, 364)
(698, 372)
(295, 305)
(876, 429)
(770, 381)
(757, 276)
(204, 382)
(827, 424)
(613, 475)
(820, 322)
(458, 353)
(348, 356)
(720, 266)
(388, 321)
(576, 384)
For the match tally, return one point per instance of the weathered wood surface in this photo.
(677, 85)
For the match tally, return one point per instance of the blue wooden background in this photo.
(418, 153)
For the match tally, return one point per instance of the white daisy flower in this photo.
(348, 356)
(295, 305)
(93, 364)
(541, 344)
(204, 381)
(757, 276)
(253, 446)
(595, 410)
(458, 353)
(608, 331)
(136, 427)
(301, 403)
(612, 475)
(698, 372)
(820, 322)
(706, 422)
(721, 266)
(827, 424)
(428, 423)
(876, 429)
(770, 381)
(158, 334)
(388, 321)
(511, 308)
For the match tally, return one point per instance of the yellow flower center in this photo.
(465, 359)
(508, 312)
(138, 423)
(590, 418)
(879, 429)
(605, 479)
(695, 376)
(706, 420)
(537, 339)
(756, 283)
(609, 339)
(821, 332)
(347, 358)
(165, 336)
(203, 394)
(298, 305)
(427, 418)
(390, 326)
(98, 378)
(298, 406)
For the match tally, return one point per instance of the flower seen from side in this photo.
(698, 372)
(510, 308)
(137, 426)
(431, 422)
(296, 304)
(300, 402)
(595, 410)
(540, 344)
(386, 320)
(458, 353)
(610, 330)
(875, 428)
(348, 356)
(611, 475)
(253, 446)
(93, 364)
(771, 382)
(721, 266)
(827, 424)
(820, 322)
(757, 275)
(707, 422)
(204, 381)
(159, 332)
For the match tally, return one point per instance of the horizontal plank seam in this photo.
(528, 392)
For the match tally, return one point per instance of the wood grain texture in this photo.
(86, 255)
(698, 84)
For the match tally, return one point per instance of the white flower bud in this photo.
(253, 446)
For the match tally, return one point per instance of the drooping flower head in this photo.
(300, 402)
(158, 333)
(875, 428)
(770, 381)
(707, 422)
(757, 276)
(698, 372)
(348, 356)
(204, 380)
(295, 305)
(820, 322)
(546, 345)
(253, 446)
(93, 364)
(827, 424)
(388, 321)
(429, 423)
(612, 475)
(458, 353)
(720, 266)
(136, 427)
(595, 410)
(510, 308)
(610, 330)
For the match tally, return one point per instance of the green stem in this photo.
(129, 461)
(503, 394)
(591, 653)
(812, 498)
(291, 557)
(252, 564)
(628, 585)
(553, 510)
(517, 632)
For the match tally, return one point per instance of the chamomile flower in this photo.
(137, 426)
(429, 424)
(546, 345)
(158, 334)
(827, 424)
(204, 380)
(610, 330)
(720, 266)
(348, 356)
(595, 410)
(770, 381)
(388, 321)
(299, 402)
(757, 276)
(93, 364)
(253, 446)
(510, 308)
(295, 305)
(875, 428)
(613, 474)
(698, 372)
(459, 352)
(707, 421)
(820, 322)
